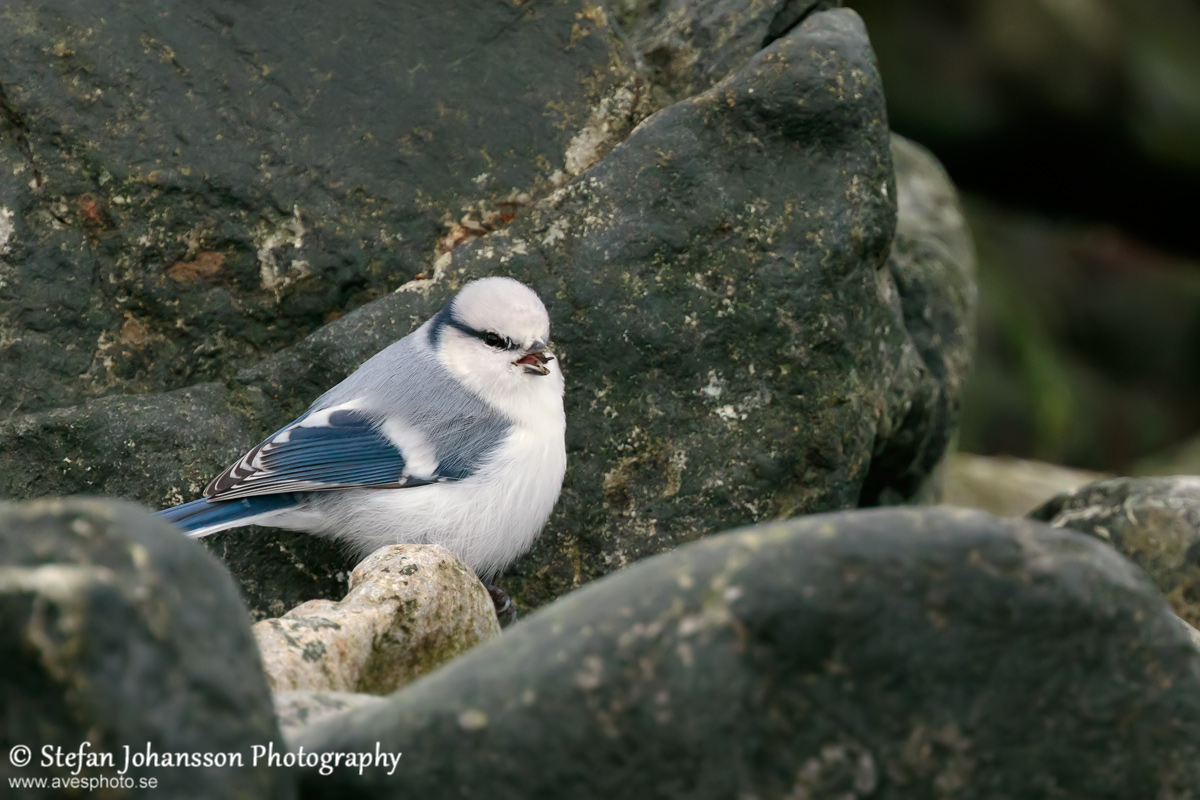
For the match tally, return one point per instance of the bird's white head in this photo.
(494, 336)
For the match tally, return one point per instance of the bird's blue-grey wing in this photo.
(346, 447)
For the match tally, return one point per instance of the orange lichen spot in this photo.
(204, 265)
(90, 212)
(480, 222)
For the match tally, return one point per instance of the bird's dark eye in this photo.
(492, 339)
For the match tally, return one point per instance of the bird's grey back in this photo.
(407, 380)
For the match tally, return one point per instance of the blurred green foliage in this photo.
(1087, 347)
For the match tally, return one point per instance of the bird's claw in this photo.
(506, 612)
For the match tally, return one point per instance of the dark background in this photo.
(1072, 128)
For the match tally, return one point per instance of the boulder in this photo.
(174, 442)
(410, 608)
(741, 340)
(1154, 522)
(1006, 487)
(885, 654)
(188, 190)
(118, 632)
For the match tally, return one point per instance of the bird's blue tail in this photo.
(200, 517)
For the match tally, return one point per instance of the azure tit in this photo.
(454, 435)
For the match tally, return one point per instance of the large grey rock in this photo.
(714, 283)
(410, 609)
(887, 654)
(118, 632)
(186, 190)
(738, 345)
(703, 303)
(1155, 522)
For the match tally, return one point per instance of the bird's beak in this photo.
(536, 360)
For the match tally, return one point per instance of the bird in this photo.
(452, 435)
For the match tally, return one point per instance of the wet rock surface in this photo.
(118, 632)
(741, 339)
(1154, 522)
(885, 654)
(410, 608)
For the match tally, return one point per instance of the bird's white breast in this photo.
(487, 519)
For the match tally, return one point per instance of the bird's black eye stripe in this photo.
(490, 338)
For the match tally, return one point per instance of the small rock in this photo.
(115, 632)
(1155, 522)
(410, 608)
(1006, 487)
(889, 654)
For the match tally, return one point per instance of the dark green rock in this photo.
(1154, 522)
(119, 632)
(189, 189)
(922, 653)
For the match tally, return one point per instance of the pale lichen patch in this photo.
(269, 240)
(6, 230)
(608, 121)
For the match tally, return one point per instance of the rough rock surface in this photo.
(118, 632)
(884, 654)
(298, 709)
(186, 190)
(718, 281)
(688, 45)
(1155, 522)
(932, 264)
(410, 608)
